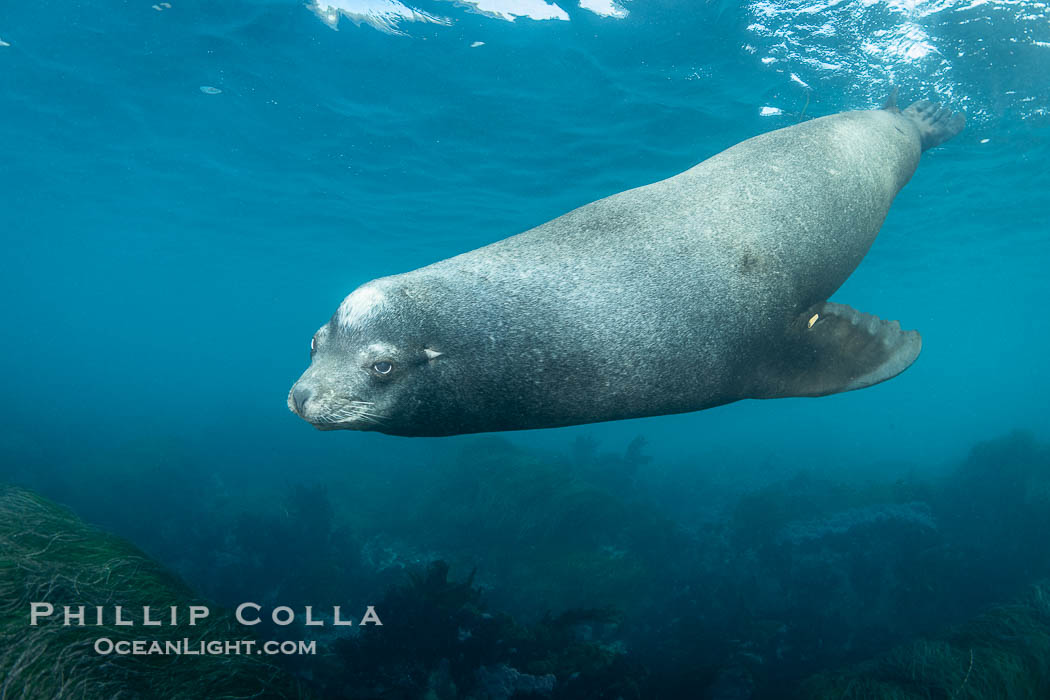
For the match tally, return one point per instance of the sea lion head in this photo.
(373, 366)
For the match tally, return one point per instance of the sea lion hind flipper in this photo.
(890, 105)
(936, 124)
(831, 348)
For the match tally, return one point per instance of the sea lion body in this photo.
(688, 293)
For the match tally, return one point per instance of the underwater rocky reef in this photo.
(50, 558)
(514, 573)
(1002, 653)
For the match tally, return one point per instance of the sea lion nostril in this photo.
(300, 395)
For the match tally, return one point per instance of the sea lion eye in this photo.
(383, 367)
(313, 344)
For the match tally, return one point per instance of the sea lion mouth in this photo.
(360, 425)
(347, 415)
(329, 411)
(330, 426)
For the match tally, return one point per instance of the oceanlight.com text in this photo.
(187, 647)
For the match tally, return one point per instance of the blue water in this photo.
(168, 253)
(171, 252)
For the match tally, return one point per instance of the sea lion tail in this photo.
(936, 124)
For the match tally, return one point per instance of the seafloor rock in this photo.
(733, 683)
(503, 682)
(49, 555)
(903, 516)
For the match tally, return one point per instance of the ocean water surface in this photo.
(190, 188)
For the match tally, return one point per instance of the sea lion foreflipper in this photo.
(831, 348)
(936, 124)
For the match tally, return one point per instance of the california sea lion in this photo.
(695, 291)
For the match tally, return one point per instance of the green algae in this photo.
(47, 554)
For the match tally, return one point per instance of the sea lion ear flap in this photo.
(432, 354)
(831, 348)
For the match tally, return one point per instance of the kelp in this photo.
(444, 643)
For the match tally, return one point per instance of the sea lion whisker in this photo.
(341, 414)
(352, 411)
(374, 417)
